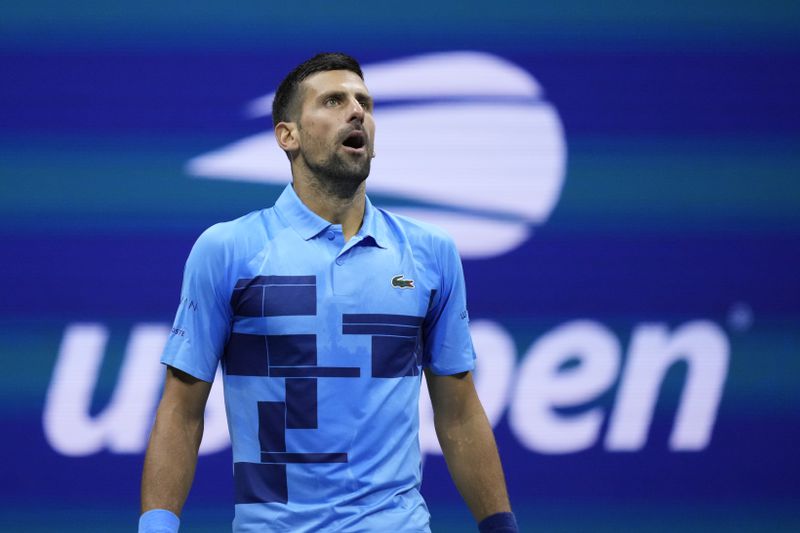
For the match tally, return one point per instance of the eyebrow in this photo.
(364, 96)
(360, 96)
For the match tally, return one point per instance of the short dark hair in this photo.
(285, 100)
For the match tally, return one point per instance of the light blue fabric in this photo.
(322, 344)
(159, 521)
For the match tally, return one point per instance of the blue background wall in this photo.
(680, 203)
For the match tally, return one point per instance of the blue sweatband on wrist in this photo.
(159, 521)
(499, 523)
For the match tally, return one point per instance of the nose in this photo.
(356, 111)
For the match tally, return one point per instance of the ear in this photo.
(287, 137)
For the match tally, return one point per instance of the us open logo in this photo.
(466, 141)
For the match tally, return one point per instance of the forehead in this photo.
(332, 80)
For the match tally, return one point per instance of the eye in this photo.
(332, 101)
(366, 104)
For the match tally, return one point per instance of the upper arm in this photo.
(184, 395)
(453, 397)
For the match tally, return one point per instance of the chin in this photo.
(344, 182)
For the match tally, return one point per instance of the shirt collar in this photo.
(304, 221)
(373, 226)
(308, 224)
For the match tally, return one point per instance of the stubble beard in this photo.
(338, 177)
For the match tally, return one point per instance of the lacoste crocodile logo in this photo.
(401, 283)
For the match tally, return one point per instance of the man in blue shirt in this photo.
(324, 312)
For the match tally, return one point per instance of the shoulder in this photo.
(224, 238)
(239, 229)
(431, 246)
(417, 232)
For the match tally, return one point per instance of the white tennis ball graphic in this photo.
(465, 135)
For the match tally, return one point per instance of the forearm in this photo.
(471, 453)
(170, 461)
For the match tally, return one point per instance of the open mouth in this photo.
(355, 140)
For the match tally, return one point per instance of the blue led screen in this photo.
(621, 181)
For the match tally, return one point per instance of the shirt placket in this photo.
(345, 279)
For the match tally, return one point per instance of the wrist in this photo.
(499, 523)
(159, 521)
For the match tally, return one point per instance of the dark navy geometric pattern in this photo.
(301, 403)
(246, 355)
(271, 426)
(274, 418)
(277, 457)
(292, 350)
(373, 318)
(395, 357)
(282, 356)
(293, 357)
(275, 296)
(315, 372)
(260, 483)
(396, 342)
(379, 329)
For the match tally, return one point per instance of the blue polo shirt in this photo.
(322, 344)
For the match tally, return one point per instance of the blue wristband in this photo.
(159, 521)
(499, 523)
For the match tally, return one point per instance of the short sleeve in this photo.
(203, 321)
(448, 346)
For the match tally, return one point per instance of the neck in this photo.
(336, 206)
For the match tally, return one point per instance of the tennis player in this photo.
(324, 312)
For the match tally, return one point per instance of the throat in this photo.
(336, 204)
